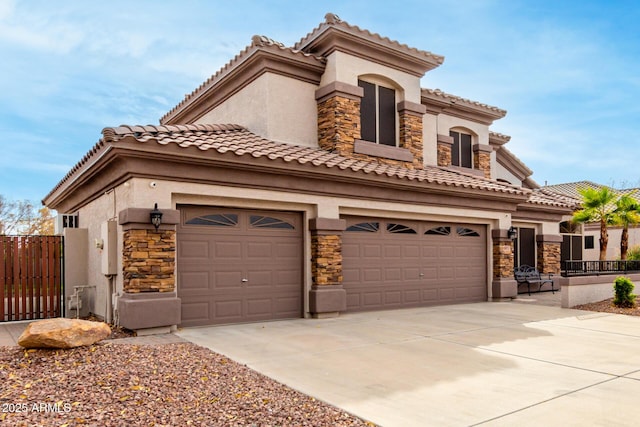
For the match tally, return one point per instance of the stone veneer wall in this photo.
(327, 298)
(444, 150)
(411, 116)
(338, 124)
(502, 258)
(482, 159)
(326, 259)
(149, 260)
(548, 253)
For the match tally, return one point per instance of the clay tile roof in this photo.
(229, 138)
(453, 99)
(332, 20)
(540, 197)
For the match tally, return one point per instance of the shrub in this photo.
(622, 288)
(633, 254)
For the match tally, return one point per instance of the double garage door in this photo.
(239, 265)
(398, 263)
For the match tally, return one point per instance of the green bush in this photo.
(633, 254)
(622, 288)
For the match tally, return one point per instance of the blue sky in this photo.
(567, 72)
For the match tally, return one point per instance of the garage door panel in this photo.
(393, 297)
(228, 309)
(227, 250)
(194, 281)
(421, 268)
(393, 251)
(391, 274)
(218, 247)
(195, 311)
(259, 278)
(194, 250)
(372, 251)
(372, 275)
(372, 299)
(225, 280)
(259, 250)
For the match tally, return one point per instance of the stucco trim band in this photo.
(344, 90)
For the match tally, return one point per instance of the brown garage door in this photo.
(238, 265)
(398, 263)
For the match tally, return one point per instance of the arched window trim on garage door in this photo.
(216, 220)
(439, 231)
(365, 227)
(261, 221)
(400, 229)
(467, 232)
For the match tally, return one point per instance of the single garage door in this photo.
(398, 263)
(238, 265)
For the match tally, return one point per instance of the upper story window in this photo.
(461, 154)
(378, 113)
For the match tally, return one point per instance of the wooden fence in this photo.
(31, 277)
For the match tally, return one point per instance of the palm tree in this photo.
(627, 213)
(597, 206)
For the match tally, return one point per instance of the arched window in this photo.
(461, 154)
(378, 113)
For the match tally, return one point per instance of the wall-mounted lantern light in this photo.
(156, 217)
(512, 233)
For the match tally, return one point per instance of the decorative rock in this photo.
(63, 333)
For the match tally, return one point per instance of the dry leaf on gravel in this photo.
(163, 385)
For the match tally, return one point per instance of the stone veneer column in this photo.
(503, 284)
(482, 159)
(411, 115)
(339, 117)
(444, 150)
(327, 298)
(548, 253)
(148, 263)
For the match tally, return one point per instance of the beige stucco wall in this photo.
(430, 139)
(613, 247)
(502, 173)
(346, 68)
(91, 217)
(275, 107)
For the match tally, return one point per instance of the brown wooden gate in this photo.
(31, 277)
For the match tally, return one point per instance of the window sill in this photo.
(386, 151)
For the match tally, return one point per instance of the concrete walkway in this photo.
(493, 364)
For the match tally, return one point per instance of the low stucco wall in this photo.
(588, 289)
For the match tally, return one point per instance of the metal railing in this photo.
(596, 268)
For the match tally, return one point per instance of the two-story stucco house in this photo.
(305, 181)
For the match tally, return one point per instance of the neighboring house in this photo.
(582, 242)
(340, 186)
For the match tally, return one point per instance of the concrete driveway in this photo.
(493, 364)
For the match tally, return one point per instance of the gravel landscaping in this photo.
(177, 384)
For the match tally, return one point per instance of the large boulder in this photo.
(63, 333)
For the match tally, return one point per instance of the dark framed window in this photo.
(461, 150)
(570, 227)
(378, 114)
(589, 242)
